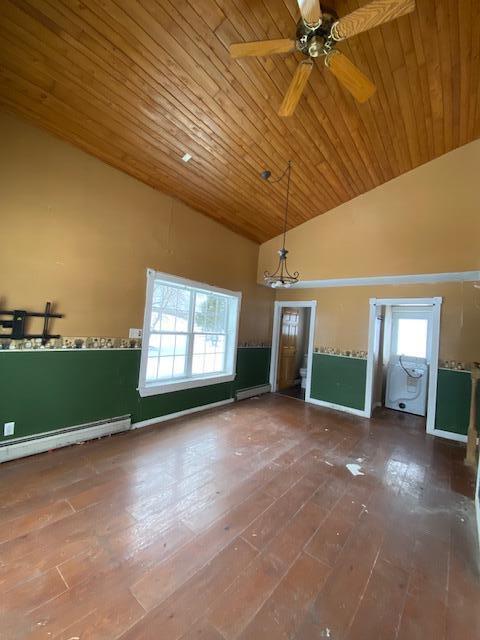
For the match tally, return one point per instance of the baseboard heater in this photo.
(29, 445)
(243, 394)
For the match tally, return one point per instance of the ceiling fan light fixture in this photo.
(317, 34)
(334, 34)
(281, 277)
(312, 27)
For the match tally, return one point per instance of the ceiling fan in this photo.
(318, 33)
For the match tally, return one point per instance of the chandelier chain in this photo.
(281, 277)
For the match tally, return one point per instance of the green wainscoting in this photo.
(47, 390)
(50, 390)
(253, 367)
(165, 403)
(453, 401)
(339, 380)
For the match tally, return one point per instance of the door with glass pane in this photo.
(288, 348)
(408, 369)
(411, 333)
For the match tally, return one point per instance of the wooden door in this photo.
(288, 348)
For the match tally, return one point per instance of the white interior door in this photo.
(407, 371)
(430, 307)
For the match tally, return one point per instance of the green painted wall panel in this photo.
(342, 381)
(42, 391)
(339, 380)
(253, 367)
(453, 401)
(45, 391)
(50, 390)
(165, 403)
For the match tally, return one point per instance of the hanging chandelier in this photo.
(281, 277)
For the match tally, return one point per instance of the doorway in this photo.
(405, 363)
(292, 348)
(402, 359)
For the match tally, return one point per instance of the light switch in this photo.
(135, 333)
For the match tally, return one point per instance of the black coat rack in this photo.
(19, 321)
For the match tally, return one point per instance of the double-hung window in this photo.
(189, 335)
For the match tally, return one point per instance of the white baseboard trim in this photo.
(448, 435)
(31, 445)
(179, 414)
(243, 394)
(338, 407)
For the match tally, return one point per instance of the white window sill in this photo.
(156, 388)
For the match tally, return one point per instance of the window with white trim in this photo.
(189, 335)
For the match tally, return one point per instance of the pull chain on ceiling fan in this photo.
(317, 35)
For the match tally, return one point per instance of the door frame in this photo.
(433, 353)
(277, 318)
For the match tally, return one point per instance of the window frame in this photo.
(410, 313)
(201, 380)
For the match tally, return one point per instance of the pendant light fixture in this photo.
(281, 276)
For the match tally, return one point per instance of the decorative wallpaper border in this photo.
(254, 345)
(453, 365)
(87, 342)
(346, 353)
(98, 342)
(75, 342)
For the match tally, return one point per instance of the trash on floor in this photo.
(355, 469)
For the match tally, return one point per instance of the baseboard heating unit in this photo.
(243, 394)
(29, 445)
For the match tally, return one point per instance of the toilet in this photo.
(303, 372)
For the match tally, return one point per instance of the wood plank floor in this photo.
(243, 522)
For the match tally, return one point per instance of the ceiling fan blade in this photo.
(371, 15)
(350, 76)
(294, 91)
(310, 10)
(261, 48)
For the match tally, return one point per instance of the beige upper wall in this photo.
(425, 221)
(343, 313)
(82, 234)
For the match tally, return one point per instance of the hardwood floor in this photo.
(293, 392)
(243, 522)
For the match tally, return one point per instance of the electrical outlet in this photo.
(135, 333)
(9, 428)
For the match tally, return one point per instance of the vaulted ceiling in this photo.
(138, 84)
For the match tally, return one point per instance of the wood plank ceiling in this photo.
(138, 84)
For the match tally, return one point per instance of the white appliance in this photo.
(407, 379)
